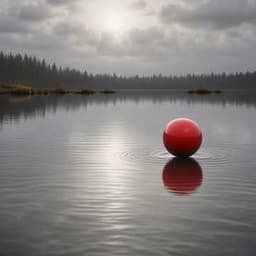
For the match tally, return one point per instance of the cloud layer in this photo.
(216, 14)
(164, 37)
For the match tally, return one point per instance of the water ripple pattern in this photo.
(214, 156)
(91, 180)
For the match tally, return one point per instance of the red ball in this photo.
(182, 176)
(182, 137)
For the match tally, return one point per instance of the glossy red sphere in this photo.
(182, 137)
(182, 176)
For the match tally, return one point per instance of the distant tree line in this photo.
(37, 73)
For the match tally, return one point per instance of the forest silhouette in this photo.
(28, 70)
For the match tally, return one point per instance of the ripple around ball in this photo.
(182, 137)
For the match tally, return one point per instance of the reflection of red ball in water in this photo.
(182, 176)
(182, 137)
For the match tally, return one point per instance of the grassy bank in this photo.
(20, 89)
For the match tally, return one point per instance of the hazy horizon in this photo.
(134, 37)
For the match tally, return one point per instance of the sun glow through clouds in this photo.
(114, 23)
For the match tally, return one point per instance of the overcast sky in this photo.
(134, 36)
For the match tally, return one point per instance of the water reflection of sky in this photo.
(91, 172)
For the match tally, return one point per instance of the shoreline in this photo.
(22, 90)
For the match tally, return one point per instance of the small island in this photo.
(204, 91)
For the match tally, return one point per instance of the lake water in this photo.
(88, 175)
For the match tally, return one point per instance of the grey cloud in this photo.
(139, 5)
(75, 32)
(150, 13)
(34, 12)
(145, 44)
(48, 28)
(10, 25)
(216, 51)
(61, 2)
(216, 14)
(146, 36)
(68, 28)
(150, 43)
(69, 5)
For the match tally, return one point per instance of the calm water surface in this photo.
(89, 176)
